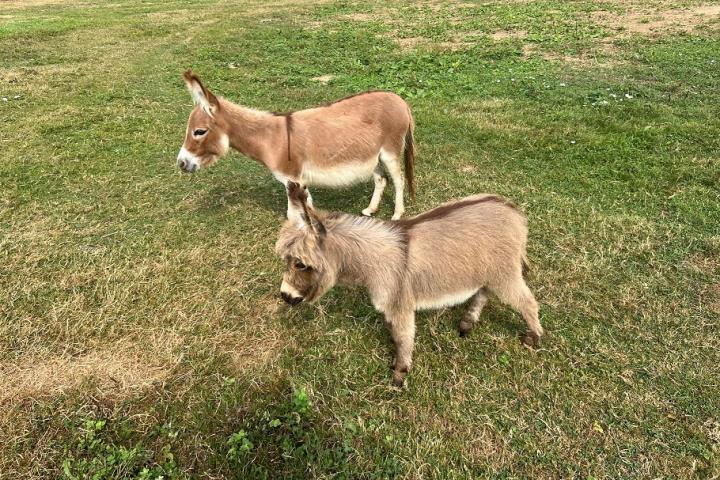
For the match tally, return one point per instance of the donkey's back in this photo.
(461, 247)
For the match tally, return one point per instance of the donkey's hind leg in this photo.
(517, 294)
(380, 182)
(392, 165)
(472, 315)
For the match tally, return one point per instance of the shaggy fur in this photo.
(459, 251)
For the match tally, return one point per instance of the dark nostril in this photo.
(182, 163)
(290, 300)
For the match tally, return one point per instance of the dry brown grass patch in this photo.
(508, 34)
(360, 17)
(114, 373)
(324, 79)
(603, 57)
(457, 42)
(39, 3)
(714, 298)
(655, 23)
(704, 264)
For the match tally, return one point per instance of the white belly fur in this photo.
(340, 176)
(447, 300)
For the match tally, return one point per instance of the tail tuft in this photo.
(410, 159)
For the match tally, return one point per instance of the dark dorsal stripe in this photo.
(289, 118)
(288, 128)
(445, 210)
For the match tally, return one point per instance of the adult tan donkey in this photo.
(335, 145)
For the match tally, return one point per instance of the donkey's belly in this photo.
(444, 300)
(339, 175)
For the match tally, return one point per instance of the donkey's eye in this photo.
(300, 266)
(199, 132)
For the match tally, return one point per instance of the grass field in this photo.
(141, 334)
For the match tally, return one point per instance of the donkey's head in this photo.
(205, 138)
(309, 267)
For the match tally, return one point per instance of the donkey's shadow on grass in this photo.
(350, 308)
(266, 193)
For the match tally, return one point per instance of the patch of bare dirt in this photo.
(360, 17)
(454, 44)
(642, 21)
(508, 34)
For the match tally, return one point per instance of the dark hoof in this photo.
(399, 376)
(531, 339)
(465, 327)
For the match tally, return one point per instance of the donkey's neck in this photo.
(256, 134)
(371, 253)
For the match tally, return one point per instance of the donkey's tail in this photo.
(525, 266)
(410, 156)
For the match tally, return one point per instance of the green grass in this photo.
(140, 330)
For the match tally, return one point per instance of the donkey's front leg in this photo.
(402, 330)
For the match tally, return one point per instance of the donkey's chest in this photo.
(338, 175)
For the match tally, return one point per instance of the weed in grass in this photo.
(93, 455)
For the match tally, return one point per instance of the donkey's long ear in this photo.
(300, 211)
(202, 96)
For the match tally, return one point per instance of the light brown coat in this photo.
(335, 145)
(459, 251)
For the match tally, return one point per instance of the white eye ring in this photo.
(199, 132)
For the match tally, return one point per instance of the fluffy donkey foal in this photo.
(459, 251)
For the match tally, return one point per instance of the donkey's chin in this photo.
(209, 160)
(315, 295)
